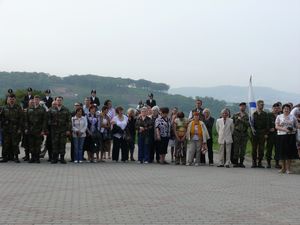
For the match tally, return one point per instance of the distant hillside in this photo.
(238, 94)
(125, 92)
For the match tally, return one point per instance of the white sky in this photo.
(179, 42)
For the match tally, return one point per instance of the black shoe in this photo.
(132, 159)
(277, 166)
(269, 166)
(4, 160)
(165, 162)
(17, 160)
(62, 159)
(236, 165)
(242, 165)
(220, 166)
(31, 160)
(260, 166)
(38, 161)
(54, 161)
(227, 166)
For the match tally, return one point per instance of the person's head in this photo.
(47, 92)
(92, 109)
(198, 103)
(54, 104)
(164, 111)
(104, 109)
(79, 112)
(143, 111)
(206, 113)
(93, 92)
(225, 113)
(291, 104)
(155, 111)
(180, 115)
(76, 106)
(243, 106)
(275, 108)
(131, 112)
(108, 103)
(11, 100)
(150, 96)
(119, 110)
(87, 102)
(29, 91)
(59, 101)
(196, 116)
(31, 103)
(37, 100)
(260, 105)
(174, 111)
(286, 109)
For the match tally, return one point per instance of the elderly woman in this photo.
(131, 128)
(93, 139)
(286, 126)
(225, 128)
(105, 132)
(79, 127)
(119, 123)
(198, 135)
(163, 132)
(143, 126)
(153, 143)
(209, 123)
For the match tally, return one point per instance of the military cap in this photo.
(29, 89)
(150, 95)
(48, 91)
(242, 103)
(10, 91)
(93, 91)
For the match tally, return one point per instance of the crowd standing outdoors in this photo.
(96, 130)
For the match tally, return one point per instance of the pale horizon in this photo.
(180, 43)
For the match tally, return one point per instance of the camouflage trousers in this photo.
(180, 152)
(59, 140)
(239, 147)
(35, 142)
(10, 145)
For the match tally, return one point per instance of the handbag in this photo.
(106, 135)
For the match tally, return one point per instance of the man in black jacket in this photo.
(48, 99)
(94, 99)
(151, 102)
(27, 98)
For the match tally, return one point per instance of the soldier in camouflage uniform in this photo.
(60, 125)
(240, 135)
(26, 136)
(272, 133)
(35, 128)
(259, 134)
(11, 120)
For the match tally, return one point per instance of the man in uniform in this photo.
(11, 120)
(94, 99)
(25, 135)
(27, 98)
(48, 99)
(36, 128)
(240, 136)
(259, 134)
(60, 125)
(272, 133)
(198, 109)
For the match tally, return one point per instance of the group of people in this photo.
(94, 129)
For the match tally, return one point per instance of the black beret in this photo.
(243, 103)
(10, 91)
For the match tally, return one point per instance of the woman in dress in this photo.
(286, 126)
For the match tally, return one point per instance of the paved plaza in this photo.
(131, 193)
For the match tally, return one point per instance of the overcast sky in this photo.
(178, 42)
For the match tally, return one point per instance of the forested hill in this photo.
(125, 92)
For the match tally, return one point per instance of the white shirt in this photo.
(120, 123)
(285, 121)
(79, 124)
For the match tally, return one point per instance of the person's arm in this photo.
(278, 126)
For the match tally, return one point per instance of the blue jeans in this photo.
(143, 154)
(78, 146)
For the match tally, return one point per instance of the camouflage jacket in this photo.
(241, 125)
(35, 120)
(11, 118)
(59, 120)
